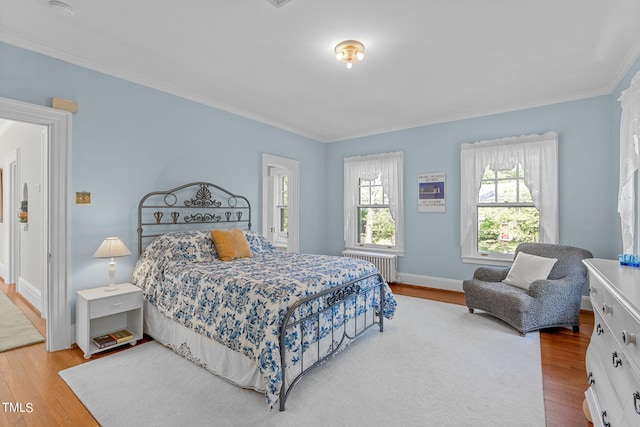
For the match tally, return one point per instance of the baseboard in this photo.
(3, 271)
(456, 285)
(30, 293)
(430, 282)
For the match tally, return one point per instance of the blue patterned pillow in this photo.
(258, 243)
(195, 246)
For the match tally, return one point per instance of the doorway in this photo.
(55, 251)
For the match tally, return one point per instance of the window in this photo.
(282, 208)
(509, 195)
(278, 200)
(506, 213)
(373, 207)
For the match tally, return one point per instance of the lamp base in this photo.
(110, 288)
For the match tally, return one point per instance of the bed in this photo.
(262, 320)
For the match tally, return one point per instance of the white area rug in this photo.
(434, 365)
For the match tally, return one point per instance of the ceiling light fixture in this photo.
(349, 51)
(61, 7)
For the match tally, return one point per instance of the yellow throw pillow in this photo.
(230, 244)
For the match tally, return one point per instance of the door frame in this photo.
(57, 241)
(12, 242)
(293, 171)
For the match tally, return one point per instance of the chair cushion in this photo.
(527, 268)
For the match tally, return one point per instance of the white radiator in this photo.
(387, 264)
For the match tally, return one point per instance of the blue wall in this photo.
(154, 140)
(588, 185)
(129, 139)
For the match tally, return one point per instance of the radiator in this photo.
(386, 264)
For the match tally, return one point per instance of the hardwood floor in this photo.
(33, 394)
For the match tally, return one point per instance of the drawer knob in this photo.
(606, 309)
(628, 338)
(599, 329)
(636, 401)
(615, 360)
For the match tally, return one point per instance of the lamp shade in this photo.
(112, 247)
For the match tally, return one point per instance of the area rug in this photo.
(15, 329)
(434, 365)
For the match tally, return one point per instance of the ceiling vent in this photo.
(278, 3)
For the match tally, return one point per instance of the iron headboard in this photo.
(190, 206)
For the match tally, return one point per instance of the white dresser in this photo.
(613, 356)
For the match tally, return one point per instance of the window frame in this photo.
(538, 156)
(389, 168)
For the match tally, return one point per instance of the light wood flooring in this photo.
(29, 375)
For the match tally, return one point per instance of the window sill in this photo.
(487, 260)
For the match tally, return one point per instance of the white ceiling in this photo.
(427, 61)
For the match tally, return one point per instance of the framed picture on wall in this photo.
(431, 192)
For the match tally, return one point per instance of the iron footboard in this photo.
(365, 296)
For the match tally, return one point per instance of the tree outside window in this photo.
(506, 213)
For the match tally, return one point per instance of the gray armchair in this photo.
(547, 303)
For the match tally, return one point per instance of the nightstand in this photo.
(100, 311)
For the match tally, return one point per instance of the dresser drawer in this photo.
(632, 408)
(609, 407)
(624, 327)
(115, 304)
(627, 332)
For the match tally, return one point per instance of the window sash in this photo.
(280, 183)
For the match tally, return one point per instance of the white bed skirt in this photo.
(211, 355)
(230, 365)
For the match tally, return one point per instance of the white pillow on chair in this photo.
(527, 268)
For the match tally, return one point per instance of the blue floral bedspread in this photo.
(241, 303)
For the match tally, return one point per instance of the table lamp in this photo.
(112, 247)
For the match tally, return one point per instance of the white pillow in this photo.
(527, 268)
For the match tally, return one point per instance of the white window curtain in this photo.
(389, 167)
(538, 155)
(629, 136)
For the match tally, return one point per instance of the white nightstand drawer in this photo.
(114, 304)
